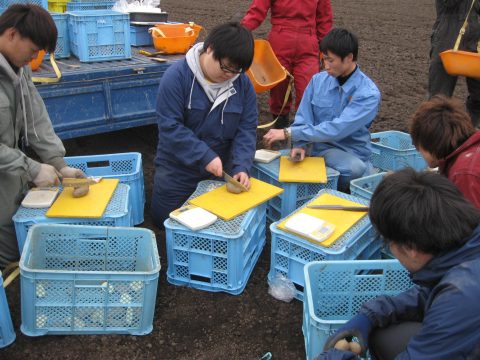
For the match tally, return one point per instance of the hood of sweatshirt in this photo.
(20, 83)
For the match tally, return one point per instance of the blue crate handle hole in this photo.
(95, 164)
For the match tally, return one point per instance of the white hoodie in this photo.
(216, 92)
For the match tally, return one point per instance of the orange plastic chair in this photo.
(265, 71)
(35, 63)
(174, 38)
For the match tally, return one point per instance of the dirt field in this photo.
(192, 324)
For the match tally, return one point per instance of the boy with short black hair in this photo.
(434, 232)
(207, 118)
(24, 30)
(336, 112)
(443, 133)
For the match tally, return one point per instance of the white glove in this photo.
(47, 176)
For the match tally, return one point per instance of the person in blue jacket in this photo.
(207, 118)
(434, 232)
(336, 112)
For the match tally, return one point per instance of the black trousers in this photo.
(387, 343)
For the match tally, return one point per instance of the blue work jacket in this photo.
(331, 115)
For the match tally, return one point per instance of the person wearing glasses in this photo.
(24, 30)
(207, 118)
(336, 112)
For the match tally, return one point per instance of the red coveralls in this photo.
(298, 26)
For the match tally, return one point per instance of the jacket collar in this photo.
(350, 84)
(436, 268)
(471, 141)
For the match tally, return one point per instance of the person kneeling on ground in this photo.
(335, 113)
(434, 232)
(207, 118)
(24, 31)
(443, 133)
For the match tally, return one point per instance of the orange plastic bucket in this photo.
(461, 63)
(265, 71)
(35, 63)
(174, 38)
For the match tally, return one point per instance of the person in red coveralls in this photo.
(443, 133)
(298, 26)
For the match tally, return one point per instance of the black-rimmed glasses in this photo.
(229, 70)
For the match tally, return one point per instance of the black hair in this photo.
(231, 41)
(32, 22)
(341, 42)
(423, 211)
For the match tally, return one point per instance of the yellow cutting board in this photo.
(92, 205)
(227, 205)
(342, 219)
(310, 170)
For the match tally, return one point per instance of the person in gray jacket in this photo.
(24, 30)
(451, 15)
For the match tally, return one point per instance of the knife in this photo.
(339, 207)
(75, 182)
(234, 182)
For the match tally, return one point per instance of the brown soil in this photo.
(194, 324)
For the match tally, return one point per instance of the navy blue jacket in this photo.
(190, 135)
(446, 299)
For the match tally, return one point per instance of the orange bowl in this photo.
(35, 63)
(174, 38)
(461, 63)
(265, 71)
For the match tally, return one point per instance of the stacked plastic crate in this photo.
(391, 151)
(220, 257)
(335, 291)
(126, 207)
(127, 167)
(295, 194)
(88, 280)
(7, 334)
(99, 35)
(290, 253)
(394, 150)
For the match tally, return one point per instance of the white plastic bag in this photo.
(281, 288)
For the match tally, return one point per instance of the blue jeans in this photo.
(349, 166)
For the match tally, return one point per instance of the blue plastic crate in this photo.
(42, 3)
(7, 334)
(99, 35)
(116, 214)
(139, 35)
(335, 291)
(62, 50)
(294, 194)
(394, 150)
(220, 257)
(124, 166)
(98, 5)
(365, 186)
(88, 280)
(290, 253)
